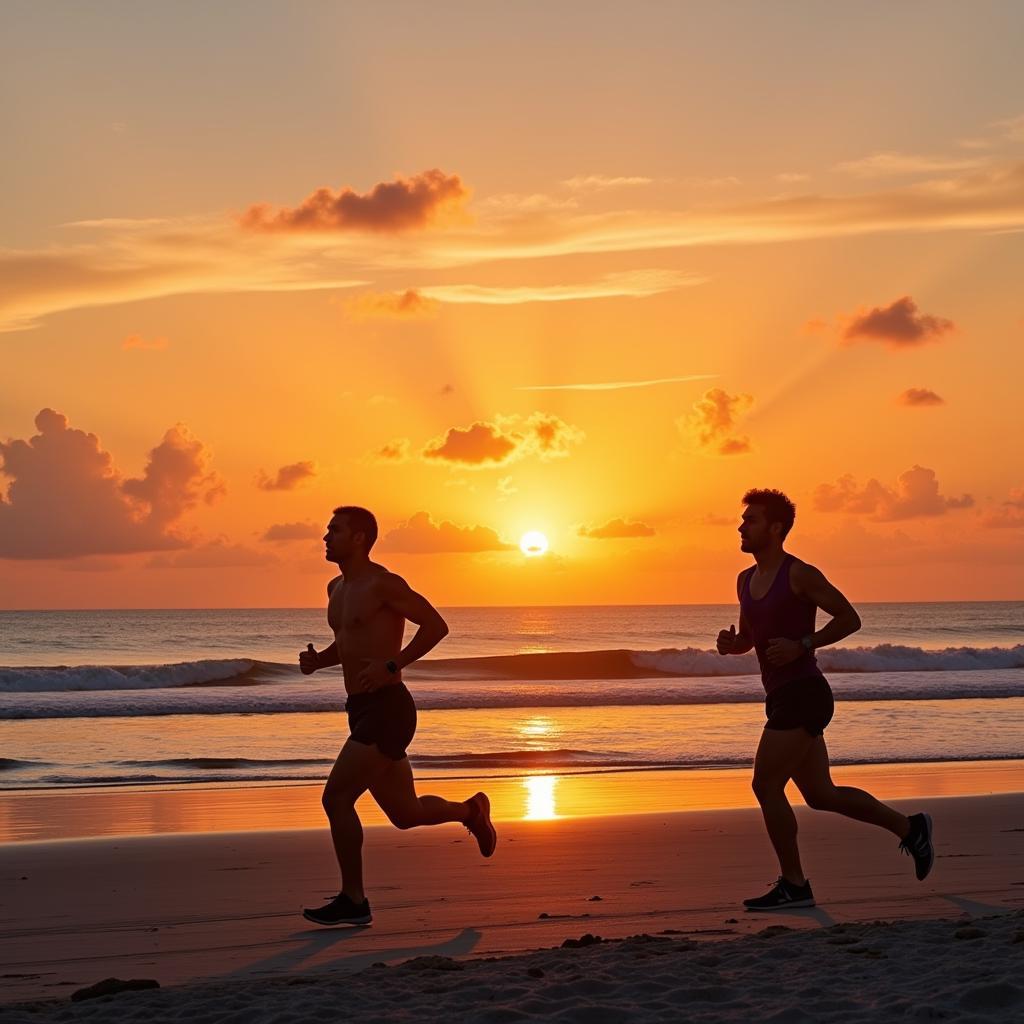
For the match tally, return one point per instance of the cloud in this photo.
(394, 451)
(636, 284)
(124, 261)
(1010, 514)
(137, 342)
(281, 532)
(716, 519)
(792, 177)
(599, 182)
(288, 477)
(67, 499)
(615, 529)
(390, 206)
(713, 419)
(406, 305)
(508, 438)
(916, 495)
(899, 324)
(920, 397)
(421, 535)
(214, 554)
(881, 165)
(616, 385)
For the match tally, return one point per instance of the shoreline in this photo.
(70, 813)
(222, 909)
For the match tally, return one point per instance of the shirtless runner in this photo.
(367, 608)
(779, 596)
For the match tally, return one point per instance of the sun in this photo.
(533, 543)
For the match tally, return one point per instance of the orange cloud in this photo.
(508, 438)
(390, 206)
(409, 305)
(67, 499)
(899, 324)
(615, 529)
(281, 532)
(394, 451)
(288, 477)
(214, 554)
(713, 419)
(917, 397)
(136, 341)
(1010, 515)
(916, 495)
(421, 535)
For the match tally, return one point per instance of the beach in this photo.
(214, 918)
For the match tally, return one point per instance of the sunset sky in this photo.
(259, 260)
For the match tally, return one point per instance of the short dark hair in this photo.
(360, 520)
(777, 507)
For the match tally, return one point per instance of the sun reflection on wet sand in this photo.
(540, 797)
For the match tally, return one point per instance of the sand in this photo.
(214, 918)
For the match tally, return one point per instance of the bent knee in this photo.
(820, 799)
(404, 819)
(767, 786)
(337, 799)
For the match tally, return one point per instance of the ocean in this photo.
(120, 698)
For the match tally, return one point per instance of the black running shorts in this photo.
(385, 718)
(802, 703)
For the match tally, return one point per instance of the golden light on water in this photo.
(540, 797)
(537, 727)
(533, 543)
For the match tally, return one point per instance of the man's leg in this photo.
(395, 792)
(778, 755)
(814, 780)
(358, 766)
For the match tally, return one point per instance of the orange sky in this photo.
(263, 265)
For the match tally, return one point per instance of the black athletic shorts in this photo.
(803, 703)
(385, 718)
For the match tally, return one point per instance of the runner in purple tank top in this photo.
(779, 598)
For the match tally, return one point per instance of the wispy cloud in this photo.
(880, 165)
(629, 284)
(598, 182)
(617, 385)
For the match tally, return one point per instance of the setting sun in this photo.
(533, 543)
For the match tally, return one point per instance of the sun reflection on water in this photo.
(540, 797)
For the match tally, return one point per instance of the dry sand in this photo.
(220, 913)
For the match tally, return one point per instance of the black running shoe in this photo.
(783, 896)
(919, 844)
(341, 910)
(479, 823)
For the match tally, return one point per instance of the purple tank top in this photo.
(780, 613)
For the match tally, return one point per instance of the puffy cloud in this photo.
(406, 305)
(508, 438)
(899, 324)
(713, 419)
(281, 532)
(288, 477)
(137, 342)
(421, 535)
(1010, 514)
(394, 451)
(615, 529)
(390, 206)
(214, 554)
(918, 397)
(67, 499)
(916, 495)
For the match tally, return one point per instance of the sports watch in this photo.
(392, 667)
(807, 642)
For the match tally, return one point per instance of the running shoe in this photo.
(340, 910)
(918, 844)
(479, 823)
(783, 896)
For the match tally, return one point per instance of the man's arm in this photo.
(311, 660)
(730, 642)
(400, 597)
(811, 584)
